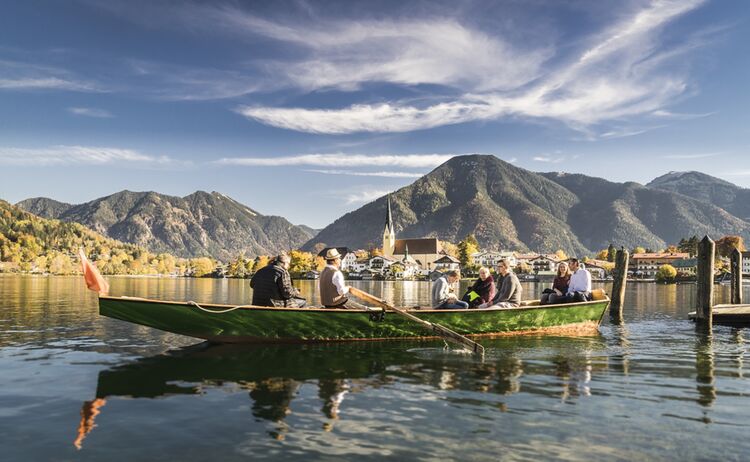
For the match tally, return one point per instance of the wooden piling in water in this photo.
(706, 249)
(736, 269)
(618, 286)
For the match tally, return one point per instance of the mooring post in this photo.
(706, 248)
(618, 286)
(736, 269)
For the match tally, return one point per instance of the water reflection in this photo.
(704, 370)
(274, 375)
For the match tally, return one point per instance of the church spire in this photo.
(389, 217)
(389, 232)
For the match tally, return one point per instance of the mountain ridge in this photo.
(199, 224)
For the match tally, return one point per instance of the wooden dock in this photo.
(729, 315)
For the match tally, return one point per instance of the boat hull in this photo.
(267, 324)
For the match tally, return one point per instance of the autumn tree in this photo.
(449, 248)
(666, 273)
(466, 248)
(301, 262)
(561, 255)
(727, 244)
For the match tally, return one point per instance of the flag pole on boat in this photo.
(438, 329)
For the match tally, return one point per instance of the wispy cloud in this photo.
(17, 75)
(620, 74)
(365, 196)
(549, 159)
(337, 160)
(693, 156)
(379, 174)
(90, 112)
(69, 155)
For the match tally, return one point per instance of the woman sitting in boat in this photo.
(482, 291)
(443, 297)
(559, 286)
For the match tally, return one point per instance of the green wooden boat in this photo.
(255, 324)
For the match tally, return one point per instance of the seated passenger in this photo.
(579, 287)
(509, 291)
(272, 285)
(559, 286)
(443, 297)
(482, 291)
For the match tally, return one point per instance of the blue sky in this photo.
(310, 109)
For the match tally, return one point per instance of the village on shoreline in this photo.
(396, 259)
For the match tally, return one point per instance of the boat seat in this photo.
(598, 294)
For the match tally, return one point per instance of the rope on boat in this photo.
(195, 304)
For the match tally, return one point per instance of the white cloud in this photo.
(549, 159)
(69, 155)
(338, 160)
(365, 196)
(345, 54)
(46, 83)
(379, 174)
(693, 156)
(90, 112)
(17, 75)
(620, 75)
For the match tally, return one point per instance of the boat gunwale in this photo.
(218, 306)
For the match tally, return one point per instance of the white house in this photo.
(746, 263)
(447, 263)
(490, 258)
(380, 264)
(348, 258)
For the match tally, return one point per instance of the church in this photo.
(423, 251)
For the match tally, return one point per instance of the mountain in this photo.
(631, 214)
(311, 231)
(201, 224)
(44, 207)
(512, 208)
(730, 197)
(502, 205)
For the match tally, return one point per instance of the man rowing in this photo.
(333, 291)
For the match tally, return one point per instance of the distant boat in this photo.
(256, 324)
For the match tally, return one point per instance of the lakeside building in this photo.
(596, 268)
(746, 263)
(647, 264)
(544, 265)
(424, 250)
(348, 258)
(686, 266)
(491, 258)
(447, 263)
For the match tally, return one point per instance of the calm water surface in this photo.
(77, 386)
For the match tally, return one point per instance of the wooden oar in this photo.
(442, 331)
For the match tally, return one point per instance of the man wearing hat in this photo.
(333, 291)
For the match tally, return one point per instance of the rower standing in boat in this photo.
(333, 291)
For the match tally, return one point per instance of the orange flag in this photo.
(94, 280)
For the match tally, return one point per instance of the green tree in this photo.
(611, 253)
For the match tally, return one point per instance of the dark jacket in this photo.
(271, 282)
(485, 289)
(561, 283)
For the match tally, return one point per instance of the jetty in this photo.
(736, 313)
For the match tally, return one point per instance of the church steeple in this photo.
(389, 233)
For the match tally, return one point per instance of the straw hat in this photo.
(332, 254)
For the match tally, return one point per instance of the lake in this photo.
(77, 386)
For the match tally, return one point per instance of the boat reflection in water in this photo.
(274, 374)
